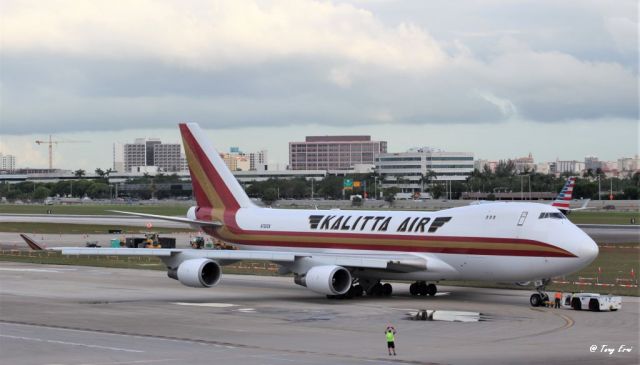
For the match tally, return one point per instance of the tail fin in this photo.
(566, 194)
(213, 184)
(32, 244)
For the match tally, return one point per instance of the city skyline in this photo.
(282, 152)
(501, 79)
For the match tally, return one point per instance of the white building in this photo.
(169, 158)
(572, 167)
(258, 160)
(628, 163)
(134, 154)
(543, 168)
(7, 162)
(408, 170)
(118, 157)
(130, 157)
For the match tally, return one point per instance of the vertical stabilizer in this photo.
(566, 194)
(213, 183)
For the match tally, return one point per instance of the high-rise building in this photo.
(630, 164)
(134, 155)
(168, 157)
(150, 145)
(572, 167)
(258, 160)
(118, 157)
(409, 170)
(7, 162)
(130, 157)
(334, 152)
(592, 163)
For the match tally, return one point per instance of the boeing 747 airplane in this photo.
(347, 253)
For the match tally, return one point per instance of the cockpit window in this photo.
(554, 215)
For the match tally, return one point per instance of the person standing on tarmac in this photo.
(558, 299)
(390, 333)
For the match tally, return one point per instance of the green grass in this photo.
(64, 228)
(95, 209)
(587, 217)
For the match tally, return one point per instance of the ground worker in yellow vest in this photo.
(390, 333)
(558, 299)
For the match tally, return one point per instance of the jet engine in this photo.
(329, 279)
(197, 273)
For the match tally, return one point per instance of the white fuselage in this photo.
(494, 241)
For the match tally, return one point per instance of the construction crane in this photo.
(51, 143)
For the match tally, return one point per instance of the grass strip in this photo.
(68, 228)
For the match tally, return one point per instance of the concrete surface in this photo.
(83, 315)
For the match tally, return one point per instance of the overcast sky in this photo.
(500, 78)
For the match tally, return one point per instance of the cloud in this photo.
(80, 66)
(214, 34)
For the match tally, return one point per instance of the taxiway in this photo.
(84, 315)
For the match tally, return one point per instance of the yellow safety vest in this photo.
(390, 337)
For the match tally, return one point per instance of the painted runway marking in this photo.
(124, 362)
(246, 310)
(29, 270)
(211, 305)
(71, 343)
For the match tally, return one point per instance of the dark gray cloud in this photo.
(487, 62)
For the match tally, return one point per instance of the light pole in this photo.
(375, 187)
(599, 197)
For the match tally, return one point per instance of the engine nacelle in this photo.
(197, 273)
(329, 279)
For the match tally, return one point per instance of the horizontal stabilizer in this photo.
(172, 219)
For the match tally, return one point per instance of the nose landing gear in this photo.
(541, 297)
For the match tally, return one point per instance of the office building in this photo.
(7, 162)
(334, 152)
(410, 170)
(148, 155)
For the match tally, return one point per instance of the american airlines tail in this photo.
(566, 194)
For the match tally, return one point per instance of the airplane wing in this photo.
(397, 263)
(172, 219)
(394, 262)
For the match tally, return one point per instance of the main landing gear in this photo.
(370, 288)
(422, 288)
(540, 298)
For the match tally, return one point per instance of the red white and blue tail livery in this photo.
(566, 194)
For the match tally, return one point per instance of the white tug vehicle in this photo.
(591, 301)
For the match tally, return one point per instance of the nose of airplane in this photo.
(587, 249)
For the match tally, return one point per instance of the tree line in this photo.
(504, 179)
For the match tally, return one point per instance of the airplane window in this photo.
(553, 215)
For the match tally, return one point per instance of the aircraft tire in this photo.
(413, 289)
(432, 289)
(387, 289)
(422, 289)
(535, 300)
